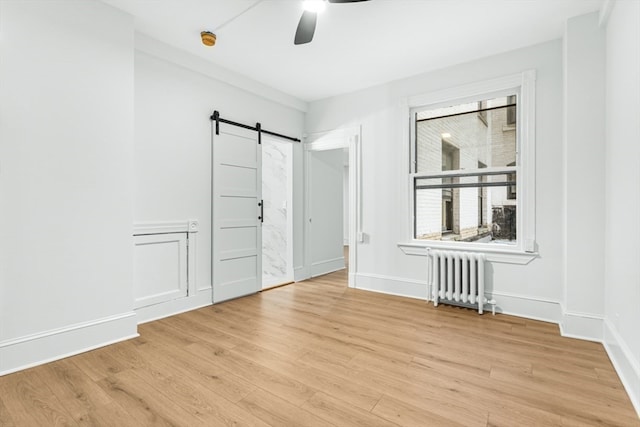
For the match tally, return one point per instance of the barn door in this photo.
(237, 207)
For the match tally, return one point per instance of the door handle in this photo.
(261, 217)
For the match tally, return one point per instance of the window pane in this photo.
(467, 136)
(472, 208)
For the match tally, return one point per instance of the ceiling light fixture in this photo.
(315, 6)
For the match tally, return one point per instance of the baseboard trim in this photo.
(37, 349)
(515, 305)
(584, 326)
(626, 366)
(527, 306)
(327, 266)
(300, 274)
(170, 308)
(391, 285)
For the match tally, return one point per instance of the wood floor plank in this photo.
(146, 403)
(31, 403)
(284, 386)
(212, 409)
(337, 412)
(77, 393)
(5, 418)
(98, 364)
(407, 415)
(278, 412)
(165, 363)
(109, 415)
(318, 353)
(331, 384)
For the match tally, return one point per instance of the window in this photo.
(511, 191)
(511, 110)
(471, 176)
(482, 112)
(468, 196)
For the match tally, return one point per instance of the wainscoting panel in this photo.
(160, 268)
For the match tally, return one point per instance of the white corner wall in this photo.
(175, 95)
(66, 177)
(584, 147)
(533, 290)
(622, 202)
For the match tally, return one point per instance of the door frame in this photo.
(349, 138)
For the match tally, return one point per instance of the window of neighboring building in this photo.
(511, 110)
(482, 112)
(511, 191)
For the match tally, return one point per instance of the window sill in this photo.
(505, 256)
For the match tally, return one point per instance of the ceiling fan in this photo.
(309, 18)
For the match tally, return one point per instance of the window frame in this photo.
(522, 85)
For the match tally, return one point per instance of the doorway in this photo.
(326, 212)
(277, 226)
(345, 143)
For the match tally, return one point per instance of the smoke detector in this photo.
(208, 38)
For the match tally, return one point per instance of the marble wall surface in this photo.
(276, 188)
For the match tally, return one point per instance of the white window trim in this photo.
(523, 84)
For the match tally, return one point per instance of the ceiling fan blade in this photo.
(306, 27)
(346, 1)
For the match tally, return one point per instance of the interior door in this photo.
(237, 194)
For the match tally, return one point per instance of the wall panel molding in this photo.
(197, 295)
(160, 268)
(163, 227)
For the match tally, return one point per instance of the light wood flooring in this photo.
(319, 354)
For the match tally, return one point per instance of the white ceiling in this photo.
(355, 45)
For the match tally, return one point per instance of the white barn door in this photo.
(237, 228)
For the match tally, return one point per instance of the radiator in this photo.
(457, 278)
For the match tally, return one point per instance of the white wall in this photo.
(534, 289)
(66, 155)
(173, 104)
(584, 136)
(622, 203)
